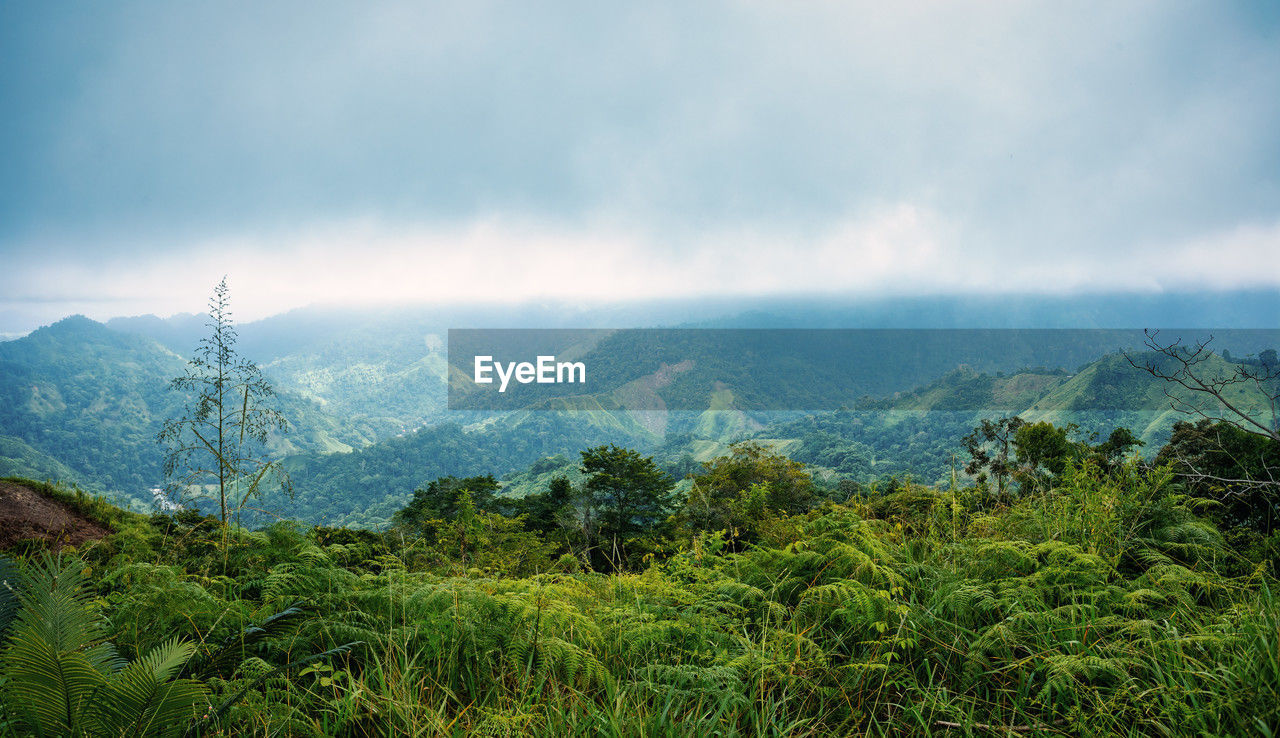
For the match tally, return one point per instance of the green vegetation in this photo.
(1238, 469)
(229, 415)
(1098, 596)
(594, 572)
(365, 487)
(915, 435)
(381, 381)
(61, 675)
(82, 403)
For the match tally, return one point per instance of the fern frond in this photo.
(144, 699)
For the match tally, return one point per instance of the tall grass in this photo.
(1102, 606)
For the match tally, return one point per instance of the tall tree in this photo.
(220, 438)
(546, 512)
(732, 489)
(630, 494)
(989, 447)
(441, 498)
(1043, 451)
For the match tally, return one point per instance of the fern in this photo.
(63, 678)
(145, 699)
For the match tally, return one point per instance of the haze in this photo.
(362, 153)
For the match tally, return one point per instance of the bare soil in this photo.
(26, 514)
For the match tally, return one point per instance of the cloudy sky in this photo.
(502, 151)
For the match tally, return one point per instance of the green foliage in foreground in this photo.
(1103, 605)
(62, 677)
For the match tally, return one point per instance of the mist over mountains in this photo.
(281, 334)
(364, 390)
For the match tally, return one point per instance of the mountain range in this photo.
(82, 402)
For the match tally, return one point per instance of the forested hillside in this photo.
(83, 403)
(1036, 551)
(1087, 594)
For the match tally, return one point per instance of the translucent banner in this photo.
(820, 369)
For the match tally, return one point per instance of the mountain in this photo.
(89, 397)
(919, 432)
(179, 333)
(1112, 392)
(772, 369)
(364, 487)
(82, 403)
(382, 370)
(381, 373)
(915, 433)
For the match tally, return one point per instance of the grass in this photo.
(1104, 606)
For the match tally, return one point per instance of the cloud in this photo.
(670, 148)
(893, 250)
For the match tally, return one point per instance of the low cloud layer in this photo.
(893, 252)
(495, 151)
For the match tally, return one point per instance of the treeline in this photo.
(626, 509)
(366, 487)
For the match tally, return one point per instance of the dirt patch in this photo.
(26, 514)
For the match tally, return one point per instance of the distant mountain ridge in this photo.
(79, 396)
(82, 400)
(778, 369)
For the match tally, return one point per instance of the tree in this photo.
(1043, 450)
(1223, 462)
(488, 541)
(629, 493)
(1111, 452)
(439, 500)
(221, 436)
(546, 512)
(988, 446)
(733, 492)
(1233, 452)
(1193, 367)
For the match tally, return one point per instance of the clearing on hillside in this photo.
(26, 514)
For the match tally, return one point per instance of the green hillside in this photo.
(18, 458)
(383, 382)
(91, 398)
(381, 372)
(364, 487)
(1112, 392)
(537, 477)
(787, 369)
(82, 403)
(916, 434)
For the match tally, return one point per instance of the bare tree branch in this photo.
(1187, 372)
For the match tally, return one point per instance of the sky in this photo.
(481, 151)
